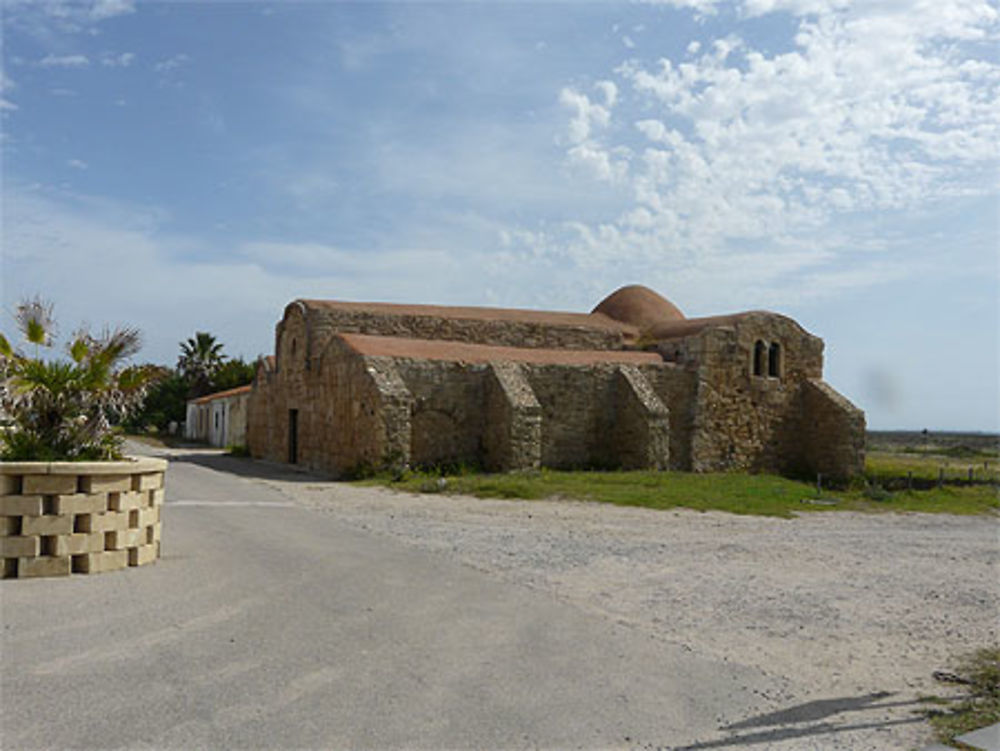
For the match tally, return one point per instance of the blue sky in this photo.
(193, 166)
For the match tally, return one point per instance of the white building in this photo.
(219, 419)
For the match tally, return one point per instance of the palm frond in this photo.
(34, 319)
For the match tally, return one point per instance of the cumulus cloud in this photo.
(587, 151)
(77, 164)
(103, 9)
(70, 16)
(172, 63)
(875, 107)
(64, 61)
(122, 60)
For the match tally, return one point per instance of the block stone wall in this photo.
(79, 517)
(832, 432)
(697, 400)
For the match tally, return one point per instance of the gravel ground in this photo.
(848, 613)
(837, 607)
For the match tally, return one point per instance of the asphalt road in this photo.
(269, 625)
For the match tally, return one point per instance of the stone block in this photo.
(46, 525)
(93, 563)
(10, 525)
(121, 539)
(144, 517)
(109, 522)
(19, 547)
(21, 505)
(81, 503)
(142, 555)
(48, 484)
(126, 501)
(10, 484)
(105, 483)
(44, 566)
(155, 497)
(75, 544)
(153, 533)
(147, 481)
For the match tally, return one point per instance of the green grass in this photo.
(735, 493)
(927, 466)
(979, 706)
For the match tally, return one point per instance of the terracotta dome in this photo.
(639, 306)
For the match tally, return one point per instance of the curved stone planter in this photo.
(79, 517)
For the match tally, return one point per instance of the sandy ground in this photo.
(835, 606)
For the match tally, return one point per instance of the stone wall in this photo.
(742, 420)
(676, 386)
(832, 432)
(79, 517)
(447, 418)
(513, 433)
(311, 327)
(641, 422)
(705, 409)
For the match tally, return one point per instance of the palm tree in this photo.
(201, 356)
(63, 410)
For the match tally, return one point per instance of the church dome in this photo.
(639, 306)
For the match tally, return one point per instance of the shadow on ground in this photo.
(786, 724)
(245, 467)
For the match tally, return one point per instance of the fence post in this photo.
(971, 470)
(940, 477)
(909, 480)
(819, 484)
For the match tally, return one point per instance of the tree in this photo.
(165, 402)
(232, 373)
(201, 356)
(63, 411)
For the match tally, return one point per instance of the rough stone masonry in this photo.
(633, 384)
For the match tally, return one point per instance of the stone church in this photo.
(632, 384)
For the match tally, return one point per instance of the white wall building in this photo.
(219, 419)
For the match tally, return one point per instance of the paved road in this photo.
(266, 624)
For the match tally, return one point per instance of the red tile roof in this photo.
(223, 394)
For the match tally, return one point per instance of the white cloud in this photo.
(103, 9)
(77, 164)
(705, 7)
(6, 84)
(172, 63)
(587, 115)
(610, 92)
(587, 152)
(64, 61)
(877, 107)
(122, 60)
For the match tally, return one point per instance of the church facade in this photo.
(633, 384)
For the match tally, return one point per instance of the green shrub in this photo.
(64, 410)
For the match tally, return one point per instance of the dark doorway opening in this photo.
(293, 436)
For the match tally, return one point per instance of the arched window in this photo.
(774, 360)
(759, 353)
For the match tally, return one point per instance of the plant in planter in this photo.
(69, 500)
(63, 410)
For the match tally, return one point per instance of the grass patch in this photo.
(736, 493)
(897, 464)
(979, 704)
